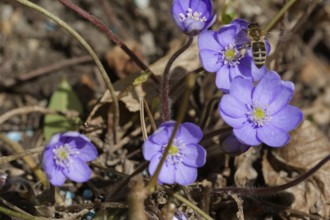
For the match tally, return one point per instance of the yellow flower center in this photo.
(173, 150)
(259, 113)
(230, 54)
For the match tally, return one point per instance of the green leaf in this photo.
(228, 17)
(142, 78)
(63, 99)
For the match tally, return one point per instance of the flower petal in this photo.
(208, 41)
(79, 171)
(167, 173)
(55, 140)
(154, 163)
(193, 25)
(183, 3)
(273, 136)
(176, 8)
(223, 79)
(200, 6)
(232, 146)
(267, 89)
(149, 149)
(185, 175)
(282, 99)
(247, 135)
(189, 133)
(194, 155)
(242, 89)
(54, 173)
(161, 136)
(226, 35)
(88, 152)
(288, 118)
(233, 122)
(210, 60)
(232, 106)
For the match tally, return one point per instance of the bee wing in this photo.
(278, 36)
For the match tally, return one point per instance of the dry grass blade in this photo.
(7, 159)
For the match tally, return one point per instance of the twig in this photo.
(16, 214)
(7, 159)
(151, 118)
(166, 112)
(193, 206)
(142, 120)
(82, 41)
(47, 69)
(31, 109)
(33, 166)
(135, 199)
(272, 189)
(112, 36)
(285, 8)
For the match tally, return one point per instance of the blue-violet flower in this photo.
(225, 53)
(66, 156)
(185, 153)
(232, 146)
(261, 113)
(193, 16)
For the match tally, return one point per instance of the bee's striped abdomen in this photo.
(259, 53)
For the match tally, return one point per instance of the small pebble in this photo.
(87, 194)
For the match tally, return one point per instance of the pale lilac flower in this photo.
(185, 153)
(66, 156)
(225, 52)
(193, 16)
(261, 113)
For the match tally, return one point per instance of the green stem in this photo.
(82, 41)
(183, 107)
(279, 15)
(16, 214)
(193, 206)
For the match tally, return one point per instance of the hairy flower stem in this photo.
(89, 49)
(273, 189)
(183, 107)
(112, 36)
(279, 15)
(165, 99)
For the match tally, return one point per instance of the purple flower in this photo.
(224, 52)
(232, 146)
(193, 16)
(185, 153)
(179, 216)
(261, 113)
(66, 156)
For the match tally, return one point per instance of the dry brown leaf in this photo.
(307, 147)
(245, 174)
(121, 62)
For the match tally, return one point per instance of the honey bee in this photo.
(257, 38)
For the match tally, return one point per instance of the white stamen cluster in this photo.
(258, 116)
(63, 155)
(192, 14)
(231, 55)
